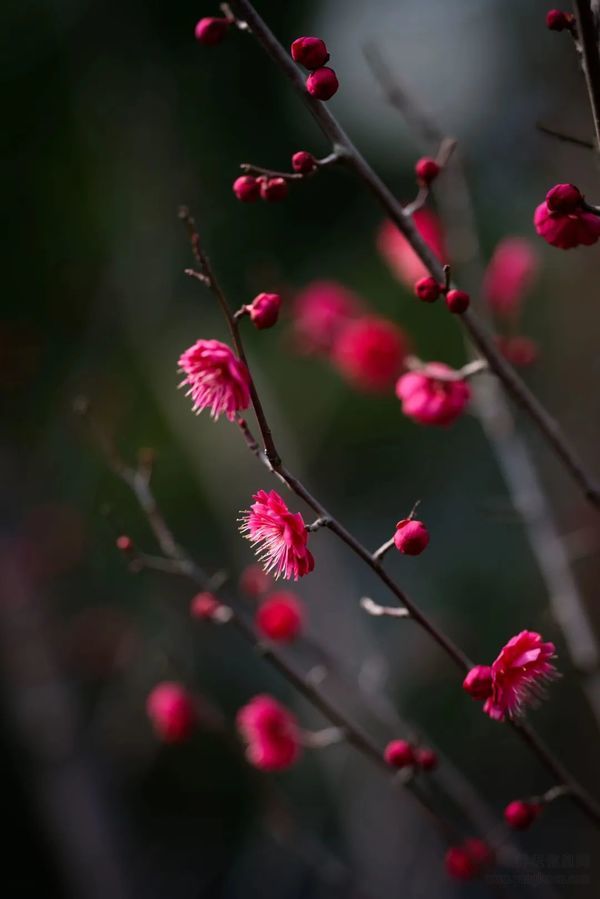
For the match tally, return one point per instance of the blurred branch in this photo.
(343, 146)
(511, 451)
(79, 810)
(566, 138)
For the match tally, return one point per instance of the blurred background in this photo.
(116, 116)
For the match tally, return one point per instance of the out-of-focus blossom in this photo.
(427, 759)
(469, 860)
(319, 311)
(399, 254)
(254, 581)
(509, 275)
(280, 617)
(399, 754)
(370, 352)
(430, 399)
(204, 606)
(519, 814)
(279, 535)
(172, 712)
(270, 732)
(520, 351)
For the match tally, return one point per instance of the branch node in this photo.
(322, 522)
(373, 608)
(382, 550)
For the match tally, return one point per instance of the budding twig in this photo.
(469, 370)
(458, 656)
(307, 684)
(484, 342)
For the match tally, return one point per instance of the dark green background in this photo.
(115, 117)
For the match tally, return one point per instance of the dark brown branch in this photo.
(484, 342)
(587, 38)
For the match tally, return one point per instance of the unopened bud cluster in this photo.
(312, 53)
(428, 289)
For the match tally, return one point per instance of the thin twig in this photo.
(259, 170)
(566, 138)
(484, 342)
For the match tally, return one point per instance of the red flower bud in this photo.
(124, 543)
(565, 198)
(399, 754)
(203, 606)
(478, 682)
(254, 581)
(264, 310)
(520, 815)
(427, 289)
(304, 162)
(557, 20)
(322, 83)
(457, 301)
(426, 759)
(411, 537)
(310, 52)
(426, 170)
(519, 350)
(211, 31)
(273, 189)
(467, 861)
(246, 188)
(172, 712)
(479, 852)
(459, 864)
